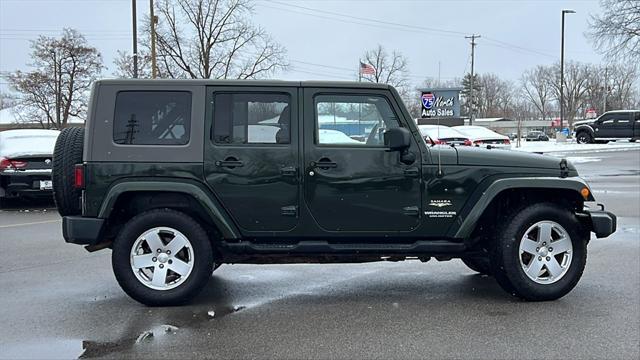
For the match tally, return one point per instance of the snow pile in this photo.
(572, 147)
(27, 142)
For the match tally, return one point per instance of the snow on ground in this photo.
(571, 146)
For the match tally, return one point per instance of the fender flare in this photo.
(584, 127)
(462, 228)
(219, 217)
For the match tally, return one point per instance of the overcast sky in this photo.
(325, 39)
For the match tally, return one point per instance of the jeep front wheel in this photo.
(540, 253)
(162, 257)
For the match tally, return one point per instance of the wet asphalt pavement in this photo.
(58, 301)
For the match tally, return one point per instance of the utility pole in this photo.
(472, 109)
(562, 137)
(154, 66)
(606, 90)
(135, 38)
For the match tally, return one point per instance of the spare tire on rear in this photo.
(66, 154)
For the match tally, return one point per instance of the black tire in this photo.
(478, 264)
(505, 257)
(202, 261)
(66, 154)
(583, 137)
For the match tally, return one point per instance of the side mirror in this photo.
(397, 139)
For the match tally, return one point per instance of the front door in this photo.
(251, 156)
(352, 183)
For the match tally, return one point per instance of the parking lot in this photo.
(63, 302)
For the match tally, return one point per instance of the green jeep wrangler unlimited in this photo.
(180, 176)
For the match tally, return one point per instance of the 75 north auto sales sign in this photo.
(440, 103)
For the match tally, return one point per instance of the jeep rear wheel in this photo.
(162, 257)
(584, 137)
(540, 253)
(66, 154)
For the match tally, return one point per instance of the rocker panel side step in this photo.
(324, 247)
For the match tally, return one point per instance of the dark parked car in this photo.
(25, 163)
(610, 126)
(173, 180)
(537, 136)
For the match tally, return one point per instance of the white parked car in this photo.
(481, 136)
(26, 158)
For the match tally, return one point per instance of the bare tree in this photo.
(537, 89)
(57, 88)
(390, 68)
(124, 64)
(6, 100)
(211, 39)
(576, 77)
(616, 30)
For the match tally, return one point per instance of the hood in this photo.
(506, 158)
(583, 122)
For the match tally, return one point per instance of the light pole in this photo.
(562, 73)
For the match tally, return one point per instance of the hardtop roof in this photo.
(261, 83)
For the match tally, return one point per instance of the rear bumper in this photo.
(603, 223)
(23, 183)
(82, 230)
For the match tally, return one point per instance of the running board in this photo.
(324, 247)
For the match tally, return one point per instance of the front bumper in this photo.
(603, 223)
(82, 230)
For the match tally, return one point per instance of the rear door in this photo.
(636, 126)
(352, 183)
(251, 157)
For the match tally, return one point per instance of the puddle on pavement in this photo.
(45, 349)
(84, 349)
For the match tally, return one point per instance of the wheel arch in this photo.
(136, 196)
(503, 192)
(585, 127)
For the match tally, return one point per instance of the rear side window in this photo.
(152, 118)
(251, 118)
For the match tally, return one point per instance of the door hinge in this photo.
(291, 210)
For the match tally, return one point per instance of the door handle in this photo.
(324, 163)
(289, 171)
(412, 172)
(230, 162)
(411, 211)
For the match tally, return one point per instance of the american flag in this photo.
(366, 69)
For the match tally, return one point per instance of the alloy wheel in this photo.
(545, 252)
(162, 258)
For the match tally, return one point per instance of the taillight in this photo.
(18, 164)
(507, 142)
(15, 164)
(467, 142)
(4, 163)
(79, 176)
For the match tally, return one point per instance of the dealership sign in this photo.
(440, 103)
